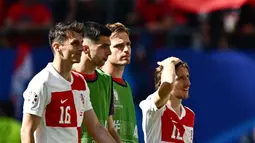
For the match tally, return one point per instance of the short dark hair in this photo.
(60, 31)
(94, 30)
(158, 72)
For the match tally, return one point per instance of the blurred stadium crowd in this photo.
(154, 24)
(29, 20)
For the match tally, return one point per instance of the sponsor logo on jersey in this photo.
(116, 100)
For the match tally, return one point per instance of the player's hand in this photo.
(168, 71)
(169, 61)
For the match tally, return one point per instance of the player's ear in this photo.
(86, 49)
(56, 46)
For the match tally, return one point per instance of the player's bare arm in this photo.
(29, 125)
(112, 129)
(167, 79)
(95, 129)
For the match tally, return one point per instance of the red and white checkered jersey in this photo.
(59, 103)
(164, 125)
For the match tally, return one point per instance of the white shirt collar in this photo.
(183, 111)
(55, 73)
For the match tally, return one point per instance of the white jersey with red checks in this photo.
(59, 103)
(164, 125)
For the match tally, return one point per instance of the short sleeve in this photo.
(35, 99)
(149, 108)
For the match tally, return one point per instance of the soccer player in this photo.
(165, 119)
(56, 101)
(124, 116)
(96, 44)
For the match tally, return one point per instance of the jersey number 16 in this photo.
(65, 117)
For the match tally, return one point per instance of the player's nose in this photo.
(109, 52)
(126, 48)
(80, 48)
(188, 84)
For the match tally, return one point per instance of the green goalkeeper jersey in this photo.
(124, 111)
(101, 97)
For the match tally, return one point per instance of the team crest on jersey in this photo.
(33, 98)
(116, 100)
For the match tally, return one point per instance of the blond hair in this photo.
(117, 28)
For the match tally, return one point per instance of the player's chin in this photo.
(125, 62)
(184, 95)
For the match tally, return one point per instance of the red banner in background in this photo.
(205, 6)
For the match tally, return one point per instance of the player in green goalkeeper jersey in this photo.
(96, 43)
(124, 115)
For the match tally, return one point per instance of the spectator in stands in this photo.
(3, 9)
(63, 10)
(159, 19)
(91, 10)
(154, 13)
(120, 11)
(28, 19)
(244, 35)
(3, 6)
